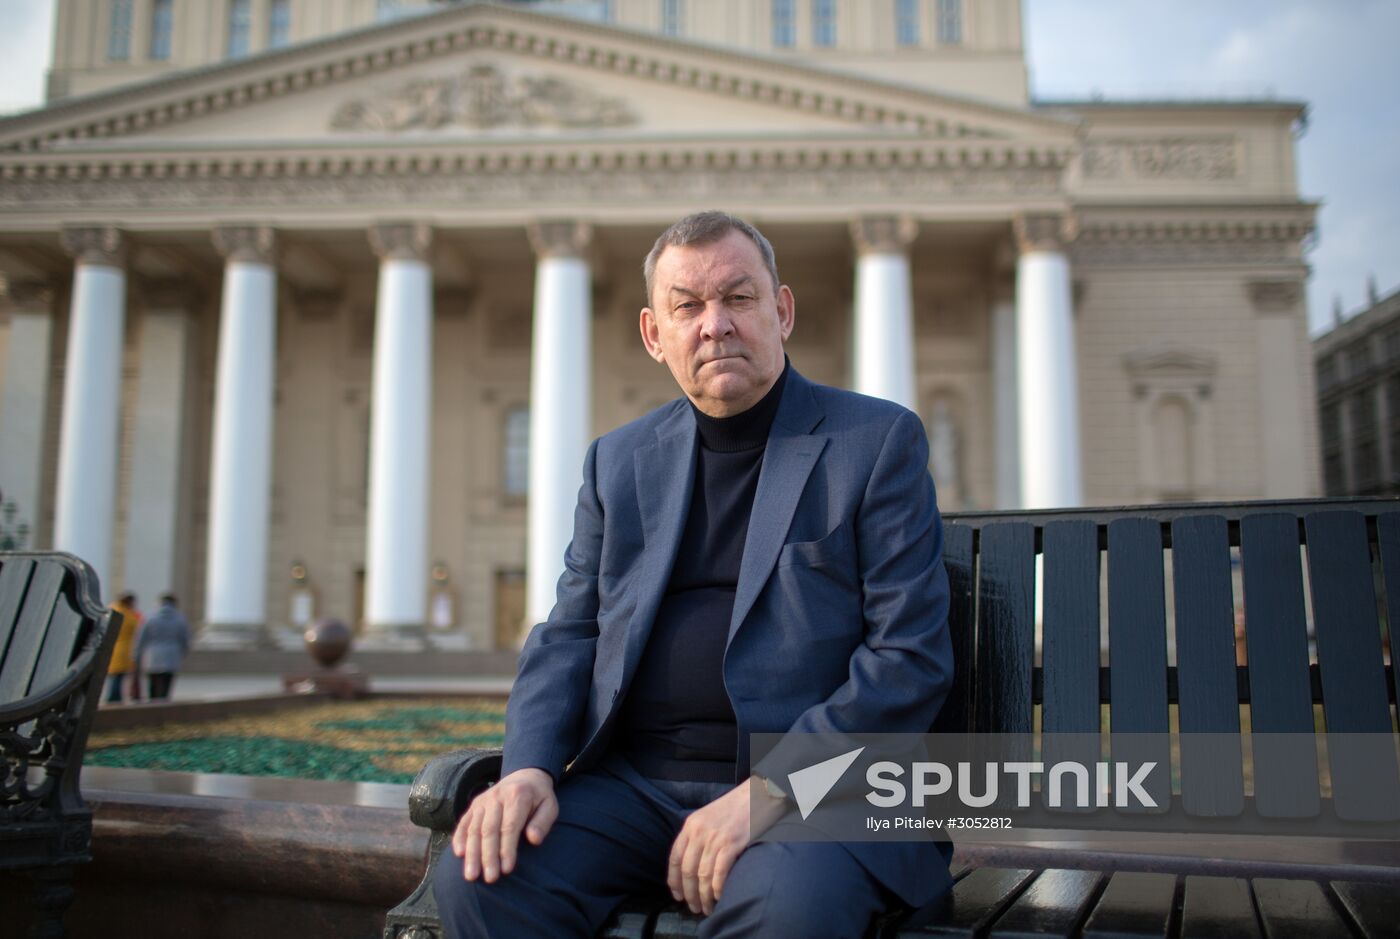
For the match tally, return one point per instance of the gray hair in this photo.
(703, 228)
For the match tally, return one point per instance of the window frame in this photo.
(824, 32)
(120, 19)
(238, 24)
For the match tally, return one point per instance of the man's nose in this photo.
(716, 323)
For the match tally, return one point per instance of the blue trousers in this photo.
(613, 839)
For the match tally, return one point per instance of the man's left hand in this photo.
(712, 839)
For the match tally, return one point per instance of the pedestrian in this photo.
(162, 646)
(123, 665)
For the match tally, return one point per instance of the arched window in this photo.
(515, 475)
(162, 17)
(119, 31)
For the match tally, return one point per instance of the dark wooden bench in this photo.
(1316, 576)
(55, 643)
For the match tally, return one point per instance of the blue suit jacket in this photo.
(840, 619)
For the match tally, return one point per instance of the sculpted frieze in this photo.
(483, 98)
(1210, 158)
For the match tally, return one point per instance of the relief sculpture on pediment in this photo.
(483, 98)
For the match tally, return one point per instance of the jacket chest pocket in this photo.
(833, 555)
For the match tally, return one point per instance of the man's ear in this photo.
(650, 339)
(787, 310)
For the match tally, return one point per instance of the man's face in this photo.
(717, 324)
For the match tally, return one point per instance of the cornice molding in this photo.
(849, 173)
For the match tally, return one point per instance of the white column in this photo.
(85, 504)
(24, 398)
(1004, 403)
(396, 564)
(240, 478)
(1047, 372)
(560, 412)
(884, 319)
(153, 504)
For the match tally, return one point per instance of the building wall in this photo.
(986, 64)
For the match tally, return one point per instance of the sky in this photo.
(1337, 56)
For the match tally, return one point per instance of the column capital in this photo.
(26, 295)
(256, 244)
(95, 244)
(401, 241)
(883, 234)
(1275, 296)
(560, 238)
(1044, 231)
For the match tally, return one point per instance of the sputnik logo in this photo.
(810, 785)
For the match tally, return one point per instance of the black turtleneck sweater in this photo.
(676, 721)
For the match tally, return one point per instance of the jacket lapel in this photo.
(665, 479)
(792, 452)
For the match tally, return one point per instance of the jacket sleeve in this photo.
(902, 672)
(555, 671)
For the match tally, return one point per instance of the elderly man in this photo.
(761, 555)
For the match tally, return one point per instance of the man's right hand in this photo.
(489, 833)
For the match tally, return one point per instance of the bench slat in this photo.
(14, 577)
(1133, 906)
(971, 905)
(1052, 906)
(64, 629)
(1006, 628)
(1280, 688)
(1137, 647)
(28, 639)
(1070, 646)
(632, 920)
(1365, 777)
(1375, 908)
(1297, 908)
(1217, 908)
(1212, 763)
(955, 717)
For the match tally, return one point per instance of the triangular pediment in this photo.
(483, 73)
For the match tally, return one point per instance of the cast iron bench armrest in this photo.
(441, 792)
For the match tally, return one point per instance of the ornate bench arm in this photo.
(440, 794)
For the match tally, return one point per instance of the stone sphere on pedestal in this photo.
(328, 640)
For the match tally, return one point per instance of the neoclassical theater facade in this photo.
(324, 330)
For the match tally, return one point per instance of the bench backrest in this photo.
(55, 644)
(1112, 580)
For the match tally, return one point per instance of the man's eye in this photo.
(740, 298)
